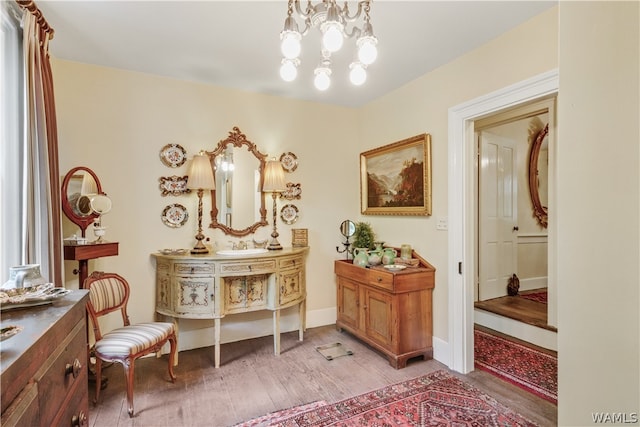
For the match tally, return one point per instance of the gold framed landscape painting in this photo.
(396, 179)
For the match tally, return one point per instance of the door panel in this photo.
(497, 214)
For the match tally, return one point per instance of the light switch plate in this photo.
(443, 223)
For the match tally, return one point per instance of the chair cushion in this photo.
(128, 340)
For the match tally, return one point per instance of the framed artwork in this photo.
(396, 179)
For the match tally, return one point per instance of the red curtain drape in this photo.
(45, 33)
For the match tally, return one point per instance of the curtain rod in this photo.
(31, 6)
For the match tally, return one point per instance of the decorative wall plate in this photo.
(175, 215)
(173, 155)
(289, 161)
(175, 185)
(293, 191)
(289, 214)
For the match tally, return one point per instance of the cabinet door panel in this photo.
(378, 315)
(195, 295)
(290, 286)
(348, 303)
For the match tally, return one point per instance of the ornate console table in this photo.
(212, 286)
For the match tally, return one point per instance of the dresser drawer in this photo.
(194, 268)
(248, 267)
(56, 377)
(75, 410)
(381, 279)
(23, 411)
(290, 263)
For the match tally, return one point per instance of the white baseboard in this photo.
(533, 283)
(538, 336)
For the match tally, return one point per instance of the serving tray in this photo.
(30, 297)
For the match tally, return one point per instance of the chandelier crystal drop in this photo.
(336, 24)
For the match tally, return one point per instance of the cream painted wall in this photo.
(598, 211)
(116, 122)
(422, 106)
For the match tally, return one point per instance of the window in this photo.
(12, 107)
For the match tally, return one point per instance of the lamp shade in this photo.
(274, 177)
(201, 173)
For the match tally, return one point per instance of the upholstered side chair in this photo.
(109, 292)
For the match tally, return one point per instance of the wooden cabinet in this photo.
(43, 368)
(213, 286)
(389, 310)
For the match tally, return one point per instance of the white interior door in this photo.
(497, 234)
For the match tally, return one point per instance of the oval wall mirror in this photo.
(539, 175)
(237, 203)
(82, 198)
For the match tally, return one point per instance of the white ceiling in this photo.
(236, 43)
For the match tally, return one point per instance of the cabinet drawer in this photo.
(23, 411)
(381, 279)
(194, 268)
(55, 379)
(290, 263)
(76, 406)
(256, 266)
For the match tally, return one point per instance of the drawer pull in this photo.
(379, 279)
(73, 369)
(79, 420)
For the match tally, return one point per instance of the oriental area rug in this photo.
(521, 365)
(436, 399)
(536, 296)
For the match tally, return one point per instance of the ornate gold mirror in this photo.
(237, 203)
(539, 175)
(82, 197)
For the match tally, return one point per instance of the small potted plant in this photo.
(364, 237)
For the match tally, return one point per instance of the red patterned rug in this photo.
(528, 368)
(437, 399)
(536, 296)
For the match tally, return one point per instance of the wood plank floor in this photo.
(251, 382)
(518, 308)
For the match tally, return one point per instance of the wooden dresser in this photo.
(43, 368)
(213, 286)
(389, 310)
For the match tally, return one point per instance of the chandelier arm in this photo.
(355, 32)
(307, 27)
(307, 13)
(362, 5)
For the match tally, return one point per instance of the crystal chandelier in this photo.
(332, 20)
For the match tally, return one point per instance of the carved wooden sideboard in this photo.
(389, 310)
(43, 368)
(212, 286)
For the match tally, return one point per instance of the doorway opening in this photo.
(512, 187)
(462, 159)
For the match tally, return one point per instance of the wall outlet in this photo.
(443, 223)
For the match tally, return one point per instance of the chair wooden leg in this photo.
(128, 372)
(98, 379)
(172, 354)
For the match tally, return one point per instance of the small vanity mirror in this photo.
(348, 228)
(237, 203)
(82, 198)
(539, 175)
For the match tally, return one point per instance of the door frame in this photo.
(462, 202)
